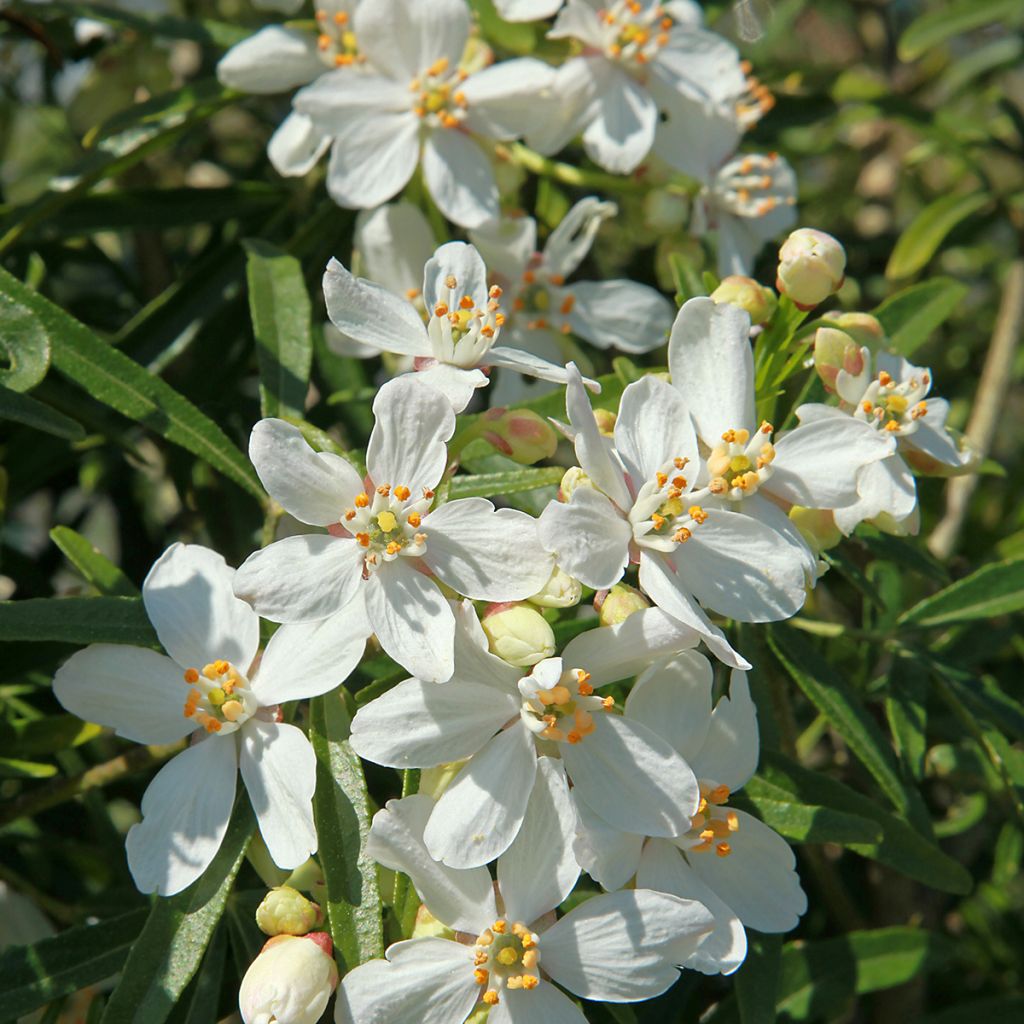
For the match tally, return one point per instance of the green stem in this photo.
(567, 174)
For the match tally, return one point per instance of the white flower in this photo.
(487, 713)
(541, 307)
(894, 402)
(644, 503)
(387, 540)
(638, 55)
(621, 947)
(738, 867)
(290, 981)
(817, 465)
(416, 103)
(527, 10)
(210, 690)
(464, 320)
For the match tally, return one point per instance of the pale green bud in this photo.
(572, 478)
(520, 434)
(817, 526)
(835, 350)
(518, 634)
(864, 328)
(605, 420)
(812, 266)
(619, 603)
(285, 911)
(745, 292)
(427, 926)
(560, 591)
(434, 781)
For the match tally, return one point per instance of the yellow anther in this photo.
(221, 667)
(480, 957)
(767, 428)
(485, 938)
(530, 958)
(440, 309)
(393, 547)
(412, 293)
(450, 281)
(387, 520)
(892, 426)
(729, 436)
(495, 292)
(340, 17)
(697, 514)
(342, 60)
(866, 406)
(500, 926)
(210, 671)
(362, 500)
(323, 41)
(708, 834)
(211, 725)
(718, 795)
(659, 521)
(723, 849)
(216, 696)
(574, 737)
(921, 409)
(718, 463)
(384, 490)
(439, 67)
(557, 695)
(661, 478)
(679, 482)
(191, 675)
(481, 977)
(679, 463)
(742, 436)
(466, 302)
(884, 379)
(350, 514)
(608, 703)
(682, 535)
(500, 319)
(402, 492)
(490, 997)
(231, 710)
(733, 821)
(449, 120)
(530, 981)
(414, 519)
(583, 686)
(364, 539)
(553, 734)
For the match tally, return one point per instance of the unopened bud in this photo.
(520, 434)
(619, 603)
(605, 420)
(285, 911)
(434, 781)
(665, 212)
(560, 591)
(290, 981)
(812, 266)
(835, 350)
(817, 526)
(572, 478)
(427, 926)
(864, 328)
(518, 634)
(745, 292)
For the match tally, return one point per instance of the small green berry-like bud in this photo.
(619, 603)
(518, 634)
(572, 478)
(835, 350)
(864, 328)
(605, 420)
(746, 293)
(817, 527)
(520, 434)
(285, 911)
(812, 266)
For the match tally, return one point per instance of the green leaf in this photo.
(757, 981)
(927, 231)
(111, 377)
(30, 412)
(996, 589)
(94, 566)
(511, 482)
(999, 1008)
(911, 315)
(936, 26)
(25, 343)
(804, 823)
(34, 975)
(342, 814)
(201, 30)
(77, 620)
(171, 947)
(13, 768)
(280, 310)
(202, 997)
(40, 736)
(831, 695)
(902, 847)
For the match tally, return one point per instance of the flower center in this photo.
(388, 523)
(660, 517)
(565, 713)
(712, 825)
(505, 955)
(437, 99)
(741, 463)
(636, 30)
(894, 406)
(337, 41)
(461, 332)
(219, 698)
(753, 186)
(756, 101)
(544, 307)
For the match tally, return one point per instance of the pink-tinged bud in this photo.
(290, 981)
(285, 911)
(605, 420)
(812, 266)
(618, 604)
(835, 350)
(817, 526)
(746, 293)
(518, 634)
(520, 434)
(560, 591)
(864, 328)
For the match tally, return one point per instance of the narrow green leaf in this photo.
(114, 379)
(280, 310)
(13, 768)
(179, 928)
(911, 315)
(201, 30)
(34, 975)
(25, 343)
(511, 482)
(996, 589)
(757, 982)
(927, 231)
(906, 710)
(94, 566)
(30, 412)
(41, 736)
(201, 1001)
(831, 695)
(77, 620)
(942, 23)
(342, 814)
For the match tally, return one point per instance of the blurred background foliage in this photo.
(129, 178)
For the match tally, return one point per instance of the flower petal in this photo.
(712, 366)
(463, 263)
(460, 178)
(623, 132)
(137, 692)
(485, 553)
(539, 869)
(296, 146)
(481, 812)
(732, 744)
(407, 444)
(506, 246)
(314, 487)
(532, 366)
(887, 486)
(623, 315)
(573, 104)
(567, 246)
(275, 59)
(544, 1003)
(502, 98)
(372, 315)
(419, 725)
(301, 579)
(609, 855)
(412, 620)
(279, 771)
(697, 136)
(393, 243)
(423, 981)
(463, 900)
(632, 778)
(404, 37)
(185, 812)
(189, 599)
(623, 946)
(526, 10)
(456, 384)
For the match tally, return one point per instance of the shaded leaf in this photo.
(996, 589)
(77, 620)
(26, 345)
(757, 982)
(936, 26)
(94, 566)
(30, 412)
(911, 315)
(927, 231)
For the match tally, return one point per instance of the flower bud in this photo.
(427, 926)
(520, 434)
(605, 420)
(817, 526)
(572, 478)
(560, 591)
(835, 350)
(745, 292)
(812, 267)
(285, 911)
(864, 328)
(619, 603)
(518, 634)
(290, 981)
(664, 211)
(434, 781)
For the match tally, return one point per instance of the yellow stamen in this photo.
(231, 710)
(362, 500)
